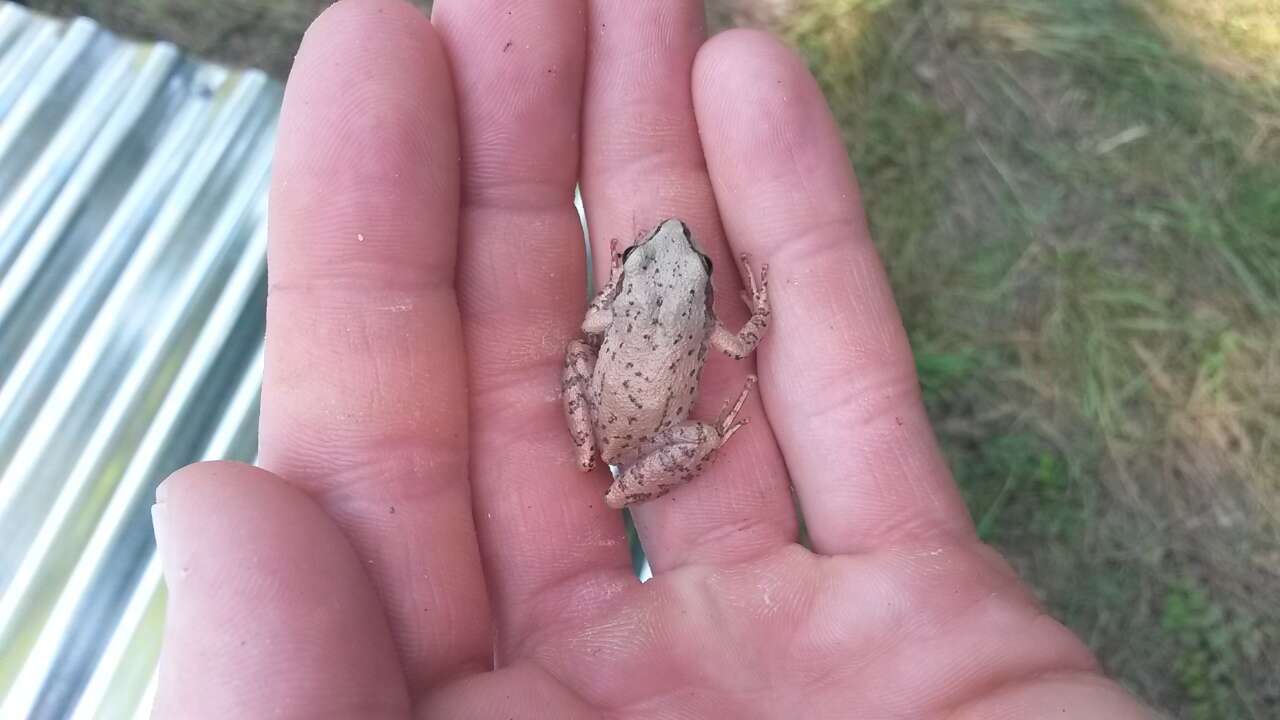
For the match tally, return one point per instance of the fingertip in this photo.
(211, 486)
(185, 486)
(358, 29)
(755, 48)
(202, 473)
(750, 90)
(753, 68)
(356, 17)
(222, 504)
(368, 115)
(267, 603)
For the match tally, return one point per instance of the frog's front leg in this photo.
(579, 364)
(600, 310)
(676, 456)
(739, 345)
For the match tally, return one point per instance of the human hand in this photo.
(421, 542)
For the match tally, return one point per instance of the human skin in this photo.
(420, 542)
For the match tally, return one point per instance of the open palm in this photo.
(421, 543)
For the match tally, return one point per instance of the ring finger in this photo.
(643, 162)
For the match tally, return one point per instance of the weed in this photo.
(1212, 646)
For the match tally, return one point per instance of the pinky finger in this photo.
(837, 376)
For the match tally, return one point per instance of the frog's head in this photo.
(670, 246)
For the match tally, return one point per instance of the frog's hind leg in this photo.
(676, 456)
(579, 363)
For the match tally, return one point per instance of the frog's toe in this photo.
(615, 498)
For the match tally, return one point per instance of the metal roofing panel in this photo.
(132, 288)
(133, 184)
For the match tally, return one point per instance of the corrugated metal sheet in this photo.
(132, 283)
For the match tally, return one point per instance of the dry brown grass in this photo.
(1238, 37)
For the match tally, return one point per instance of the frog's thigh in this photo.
(673, 458)
(579, 363)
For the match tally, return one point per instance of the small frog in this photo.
(630, 383)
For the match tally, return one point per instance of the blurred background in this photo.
(1079, 204)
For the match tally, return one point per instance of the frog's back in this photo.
(649, 365)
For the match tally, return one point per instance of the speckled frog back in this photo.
(650, 362)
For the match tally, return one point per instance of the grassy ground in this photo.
(1079, 203)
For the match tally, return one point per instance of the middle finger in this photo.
(545, 532)
(643, 162)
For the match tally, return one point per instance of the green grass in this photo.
(1078, 202)
(1211, 646)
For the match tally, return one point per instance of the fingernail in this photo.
(162, 491)
(160, 525)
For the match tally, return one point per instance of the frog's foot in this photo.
(756, 296)
(728, 422)
(676, 456)
(579, 363)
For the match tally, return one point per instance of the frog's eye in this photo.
(627, 253)
(706, 263)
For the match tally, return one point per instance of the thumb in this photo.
(269, 612)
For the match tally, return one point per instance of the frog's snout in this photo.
(673, 226)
